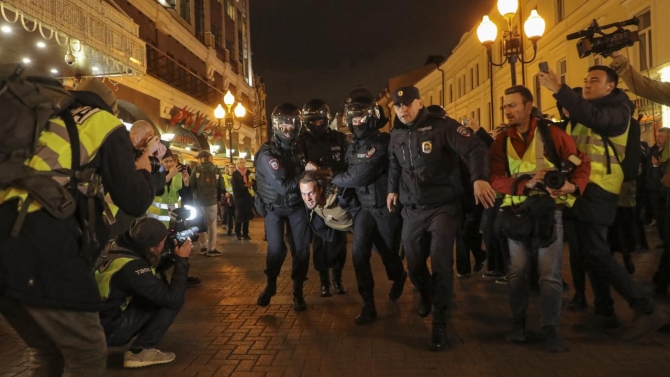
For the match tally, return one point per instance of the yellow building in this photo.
(468, 90)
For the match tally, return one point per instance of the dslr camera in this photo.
(593, 40)
(555, 179)
(184, 223)
(155, 161)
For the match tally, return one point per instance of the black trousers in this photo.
(142, 318)
(229, 217)
(662, 276)
(441, 224)
(497, 253)
(276, 220)
(242, 229)
(603, 271)
(657, 199)
(379, 228)
(470, 241)
(329, 255)
(577, 263)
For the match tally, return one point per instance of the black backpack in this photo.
(633, 154)
(28, 103)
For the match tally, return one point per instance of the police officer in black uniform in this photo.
(278, 164)
(324, 149)
(423, 171)
(367, 173)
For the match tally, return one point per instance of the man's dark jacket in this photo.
(327, 150)
(136, 279)
(424, 158)
(44, 265)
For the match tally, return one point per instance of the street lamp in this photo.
(512, 43)
(230, 116)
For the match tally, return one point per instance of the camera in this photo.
(593, 40)
(184, 223)
(555, 179)
(153, 160)
(69, 58)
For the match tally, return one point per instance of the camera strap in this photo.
(549, 146)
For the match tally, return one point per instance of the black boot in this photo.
(269, 291)
(397, 287)
(325, 283)
(518, 333)
(368, 313)
(299, 303)
(438, 338)
(337, 282)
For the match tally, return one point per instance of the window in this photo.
(477, 75)
(465, 87)
(185, 10)
(478, 114)
(563, 70)
(472, 78)
(451, 93)
(460, 88)
(502, 109)
(560, 10)
(488, 114)
(538, 93)
(441, 98)
(230, 9)
(644, 31)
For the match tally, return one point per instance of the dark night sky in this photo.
(308, 49)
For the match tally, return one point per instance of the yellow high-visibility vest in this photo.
(160, 208)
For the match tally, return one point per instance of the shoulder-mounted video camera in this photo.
(593, 40)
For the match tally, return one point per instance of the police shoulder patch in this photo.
(370, 152)
(274, 164)
(463, 131)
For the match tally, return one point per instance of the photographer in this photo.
(517, 172)
(656, 91)
(602, 118)
(135, 301)
(169, 196)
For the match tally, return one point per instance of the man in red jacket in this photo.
(520, 159)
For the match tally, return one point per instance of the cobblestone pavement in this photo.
(221, 332)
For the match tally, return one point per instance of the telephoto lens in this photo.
(554, 179)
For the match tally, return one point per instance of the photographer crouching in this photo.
(136, 302)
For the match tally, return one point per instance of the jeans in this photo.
(210, 236)
(144, 319)
(603, 271)
(62, 342)
(497, 256)
(549, 271)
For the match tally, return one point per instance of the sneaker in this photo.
(518, 333)
(246, 238)
(146, 358)
(577, 304)
(230, 233)
(214, 253)
(645, 324)
(239, 238)
(203, 251)
(552, 340)
(192, 281)
(463, 274)
(504, 280)
(598, 322)
(493, 275)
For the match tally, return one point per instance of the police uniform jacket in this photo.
(423, 160)
(136, 279)
(277, 172)
(367, 170)
(327, 151)
(45, 265)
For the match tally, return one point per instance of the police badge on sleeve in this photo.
(463, 131)
(274, 164)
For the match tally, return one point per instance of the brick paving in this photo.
(221, 332)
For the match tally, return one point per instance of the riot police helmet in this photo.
(286, 122)
(362, 115)
(316, 116)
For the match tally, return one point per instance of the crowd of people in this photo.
(83, 266)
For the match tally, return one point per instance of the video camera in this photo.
(593, 40)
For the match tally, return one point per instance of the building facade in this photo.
(472, 87)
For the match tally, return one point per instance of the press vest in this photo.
(592, 144)
(116, 258)
(54, 152)
(160, 208)
(528, 164)
(227, 181)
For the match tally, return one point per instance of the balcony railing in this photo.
(92, 22)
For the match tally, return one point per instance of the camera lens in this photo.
(554, 180)
(155, 164)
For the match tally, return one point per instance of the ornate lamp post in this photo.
(512, 42)
(230, 116)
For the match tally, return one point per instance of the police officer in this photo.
(367, 174)
(324, 149)
(423, 172)
(278, 165)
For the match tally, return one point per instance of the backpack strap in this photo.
(504, 149)
(608, 143)
(549, 146)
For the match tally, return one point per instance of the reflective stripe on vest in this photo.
(228, 183)
(592, 144)
(159, 209)
(54, 152)
(528, 164)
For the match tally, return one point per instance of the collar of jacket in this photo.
(617, 96)
(421, 117)
(513, 133)
(124, 240)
